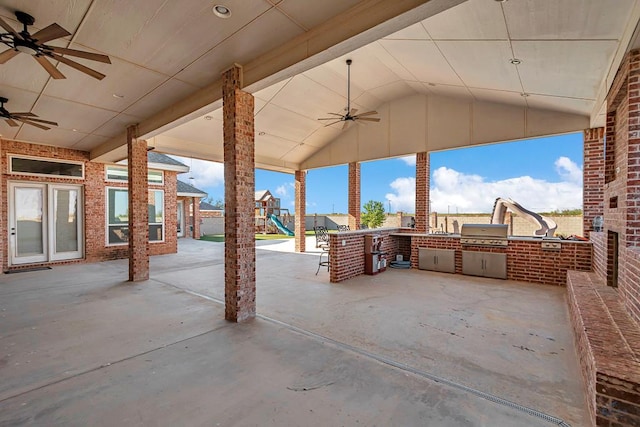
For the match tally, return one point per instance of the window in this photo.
(121, 174)
(49, 167)
(118, 216)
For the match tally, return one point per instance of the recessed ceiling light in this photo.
(117, 95)
(261, 133)
(432, 84)
(515, 61)
(524, 94)
(221, 11)
(208, 117)
(75, 130)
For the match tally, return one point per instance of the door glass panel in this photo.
(28, 211)
(180, 217)
(66, 220)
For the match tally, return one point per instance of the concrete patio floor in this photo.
(81, 346)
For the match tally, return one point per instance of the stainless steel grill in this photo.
(484, 234)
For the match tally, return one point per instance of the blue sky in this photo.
(541, 174)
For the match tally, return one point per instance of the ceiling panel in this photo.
(123, 78)
(89, 141)
(413, 32)
(471, 20)
(274, 147)
(55, 136)
(70, 115)
(262, 38)
(423, 60)
(496, 71)
(566, 105)
(571, 68)
(392, 91)
(23, 72)
(168, 93)
(285, 123)
(269, 92)
(116, 125)
(321, 136)
(308, 98)
(198, 130)
(451, 91)
(499, 96)
(567, 19)
(68, 17)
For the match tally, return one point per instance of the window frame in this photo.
(10, 158)
(126, 180)
(149, 223)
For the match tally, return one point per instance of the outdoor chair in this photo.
(343, 228)
(322, 242)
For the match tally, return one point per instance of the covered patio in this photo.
(80, 346)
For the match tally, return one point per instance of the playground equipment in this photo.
(547, 226)
(279, 225)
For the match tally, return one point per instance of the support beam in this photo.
(422, 192)
(138, 206)
(354, 196)
(239, 183)
(301, 211)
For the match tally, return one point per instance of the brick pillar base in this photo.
(239, 184)
(138, 207)
(422, 192)
(354, 196)
(593, 178)
(301, 211)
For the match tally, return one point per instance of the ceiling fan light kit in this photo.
(350, 115)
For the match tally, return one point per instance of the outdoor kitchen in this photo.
(480, 249)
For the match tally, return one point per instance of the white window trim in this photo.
(106, 175)
(106, 219)
(44, 159)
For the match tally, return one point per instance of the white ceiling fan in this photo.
(350, 115)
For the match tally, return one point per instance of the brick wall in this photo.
(593, 178)
(94, 213)
(599, 242)
(622, 176)
(422, 192)
(347, 261)
(300, 206)
(608, 342)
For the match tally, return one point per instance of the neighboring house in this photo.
(63, 208)
(188, 210)
(207, 210)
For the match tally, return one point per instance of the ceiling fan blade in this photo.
(368, 119)
(353, 111)
(346, 124)
(331, 118)
(29, 122)
(7, 55)
(336, 114)
(79, 67)
(9, 29)
(52, 32)
(12, 123)
(82, 54)
(51, 69)
(39, 121)
(329, 124)
(368, 113)
(28, 114)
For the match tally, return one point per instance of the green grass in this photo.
(220, 237)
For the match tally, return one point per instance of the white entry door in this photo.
(45, 222)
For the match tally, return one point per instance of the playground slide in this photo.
(546, 225)
(280, 226)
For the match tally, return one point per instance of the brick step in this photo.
(608, 344)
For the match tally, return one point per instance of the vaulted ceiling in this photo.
(167, 58)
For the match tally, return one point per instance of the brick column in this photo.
(593, 178)
(138, 206)
(354, 196)
(195, 207)
(301, 211)
(239, 184)
(422, 192)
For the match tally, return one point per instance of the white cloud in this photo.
(284, 189)
(205, 174)
(453, 191)
(404, 195)
(409, 160)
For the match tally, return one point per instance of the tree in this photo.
(218, 204)
(373, 215)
